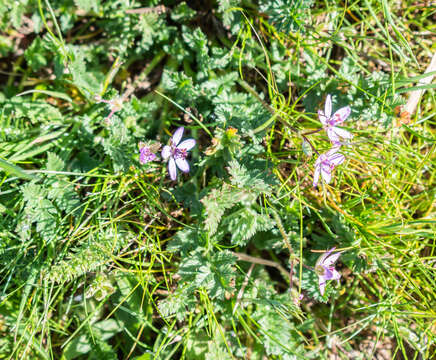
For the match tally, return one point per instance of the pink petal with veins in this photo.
(166, 152)
(341, 115)
(172, 169)
(328, 106)
(187, 144)
(326, 174)
(177, 136)
(342, 133)
(183, 165)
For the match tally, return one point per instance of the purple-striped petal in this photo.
(336, 275)
(183, 165)
(187, 144)
(332, 135)
(166, 152)
(177, 136)
(341, 115)
(337, 159)
(334, 149)
(331, 259)
(316, 176)
(172, 170)
(328, 273)
(321, 283)
(322, 118)
(342, 133)
(326, 174)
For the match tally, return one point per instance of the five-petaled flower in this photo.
(330, 121)
(325, 164)
(325, 269)
(177, 152)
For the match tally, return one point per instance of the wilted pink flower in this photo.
(325, 164)
(146, 155)
(325, 268)
(115, 104)
(296, 297)
(177, 152)
(329, 122)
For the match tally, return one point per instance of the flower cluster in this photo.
(324, 166)
(326, 162)
(176, 153)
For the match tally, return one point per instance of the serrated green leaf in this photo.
(88, 5)
(54, 162)
(245, 223)
(182, 12)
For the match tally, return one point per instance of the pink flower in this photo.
(177, 152)
(329, 122)
(326, 163)
(325, 269)
(146, 155)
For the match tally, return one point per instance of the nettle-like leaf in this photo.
(36, 111)
(241, 111)
(60, 191)
(87, 81)
(287, 15)
(54, 162)
(215, 86)
(197, 41)
(92, 254)
(182, 12)
(232, 17)
(185, 241)
(88, 5)
(180, 84)
(310, 285)
(251, 179)
(36, 54)
(40, 210)
(244, 223)
(180, 303)
(213, 273)
(278, 334)
(244, 189)
(152, 29)
(216, 203)
(119, 145)
(207, 59)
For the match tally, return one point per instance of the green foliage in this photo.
(36, 111)
(182, 13)
(213, 273)
(87, 5)
(287, 15)
(89, 256)
(244, 189)
(102, 257)
(279, 335)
